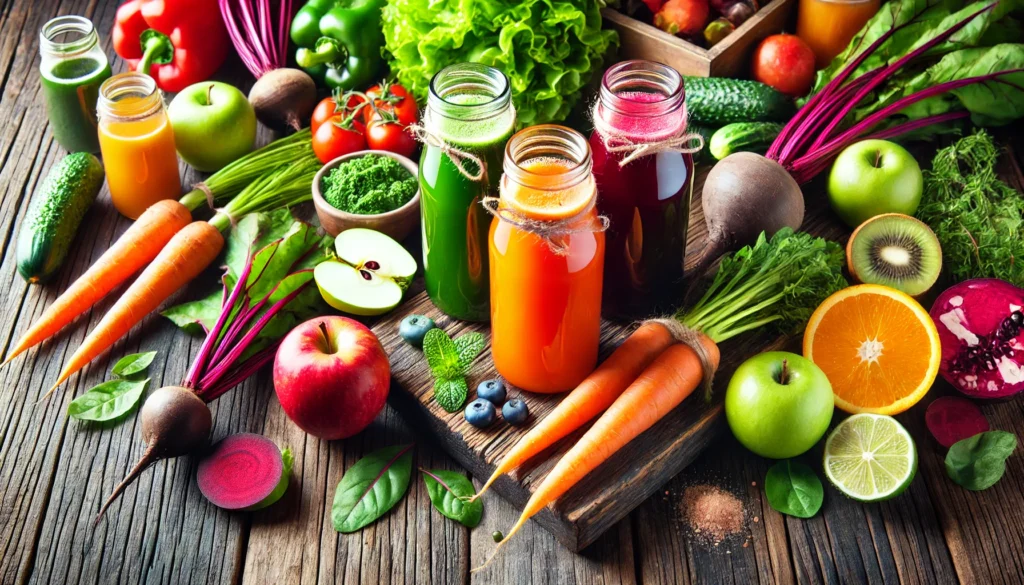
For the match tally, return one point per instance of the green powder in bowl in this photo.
(368, 185)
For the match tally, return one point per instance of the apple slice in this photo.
(369, 277)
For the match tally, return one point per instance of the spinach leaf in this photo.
(108, 401)
(133, 364)
(978, 462)
(447, 490)
(371, 487)
(793, 488)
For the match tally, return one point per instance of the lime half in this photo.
(870, 457)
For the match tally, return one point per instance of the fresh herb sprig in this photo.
(777, 282)
(115, 398)
(449, 362)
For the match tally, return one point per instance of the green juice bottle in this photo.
(72, 69)
(470, 108)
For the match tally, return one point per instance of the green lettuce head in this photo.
(549, 49)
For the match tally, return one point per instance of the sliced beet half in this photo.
(244, 472)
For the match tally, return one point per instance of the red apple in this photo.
(332, 376)
(786, 63)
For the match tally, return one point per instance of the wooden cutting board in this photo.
(621, 483)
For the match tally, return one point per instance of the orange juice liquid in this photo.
(140, 162)
(545, 307)
(827, 26)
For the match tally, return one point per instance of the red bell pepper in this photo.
(178, 42)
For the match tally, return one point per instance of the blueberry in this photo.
(491, 390)
(414, 327)
(515, 412)
(480, 413)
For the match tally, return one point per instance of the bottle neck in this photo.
(643, 100)
(547, 162)
(129, 96)
(66, 37)
(470, 103)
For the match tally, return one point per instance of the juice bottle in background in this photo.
(137, 144)
(469, 107)
(72, 67)
(827, 26)
(545, 300)
(648, 199)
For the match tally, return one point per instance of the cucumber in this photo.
(55, 214)
(706, 133)
(743, 137)
(717, 101)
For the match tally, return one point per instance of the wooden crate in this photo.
(729, 58)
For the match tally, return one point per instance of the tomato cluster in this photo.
(376, 119)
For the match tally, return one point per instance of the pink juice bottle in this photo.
(648, 199)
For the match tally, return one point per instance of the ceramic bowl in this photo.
(398, 223)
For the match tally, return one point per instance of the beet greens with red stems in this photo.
(267, 290)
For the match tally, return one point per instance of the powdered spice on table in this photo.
(712, 513)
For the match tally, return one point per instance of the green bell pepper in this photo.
(340, 41)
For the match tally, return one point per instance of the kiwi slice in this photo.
(897, 251)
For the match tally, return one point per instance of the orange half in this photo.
(878, 347)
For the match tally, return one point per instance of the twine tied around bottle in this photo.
(693, 339)
(616, 142)
(554, 232)
(459, 158)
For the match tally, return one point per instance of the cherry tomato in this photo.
(394, 98)
(332, 140)
(324, 111)
(390, 136)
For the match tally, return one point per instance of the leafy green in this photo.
(977, 218)
(449, 492)
(777, 282)
(371, 487)
(549, 49)
(978, 463)
(794, 489)
(133, 364)
(449, 363)
(108, 401)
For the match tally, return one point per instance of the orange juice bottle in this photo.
(547, 263)
(827, 26)
(137, 144)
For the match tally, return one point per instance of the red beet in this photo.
(980, 325)
(243, 471)
(951, 419)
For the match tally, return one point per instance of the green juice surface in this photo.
(455, 224)
(71, 88)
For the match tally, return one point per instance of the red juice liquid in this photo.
(648, 203)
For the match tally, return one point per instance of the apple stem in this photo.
(878, 159)
(327, 338)
(209, 95)
(784, 374)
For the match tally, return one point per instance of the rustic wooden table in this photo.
(55, 472)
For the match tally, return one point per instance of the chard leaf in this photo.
(371, 487)
(979, 462)
(794, 489)
(449, 492)
(132, 364)
(108, 400)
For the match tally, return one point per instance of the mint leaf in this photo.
(451, 393)
(133, 364)
(978, 463)
(108, 400)
(442, 354)
(469, 346)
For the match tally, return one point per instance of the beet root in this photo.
(174, 422)
(951, 419)
(283, 98)
(746, 194)
(244, 472)
(980, 325)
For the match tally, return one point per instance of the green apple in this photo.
(872, 177)
(778, 404)
(214, 124)
(369, 277)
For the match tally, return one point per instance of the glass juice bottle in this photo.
(469, 107)
(137, 144)
(648, 199)
(545, 301)
(72, 68)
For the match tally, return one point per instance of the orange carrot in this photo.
(673, 376)
(188, 253)
(133, 250)
(595, 394)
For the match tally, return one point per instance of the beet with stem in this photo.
(244, 472)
